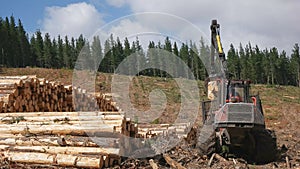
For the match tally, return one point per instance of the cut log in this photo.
(43, 114)
(40, 95)
(51, 133)
(172, 162)
(59, 159)
(65, 118)
(56, 141)
(153, 164)
(62, 150)
(163, 125)
(211, 159)
(62, 121)
(220, 158)
(59, 130)
(287, 162)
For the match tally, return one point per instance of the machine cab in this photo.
(237, 91)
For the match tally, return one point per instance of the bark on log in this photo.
(52, 132)
(59, 130)
(42, 95)
(79, 123)
(45, 114)
(62, 150)
(57, 141)
(153, 164)
(172, 162)
(64, 118)
(59, 159)
(220, 158)
(211, 159)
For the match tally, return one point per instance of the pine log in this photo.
(163, 125)
(172, 162)
(153, 164)
(59, 141)
(33, 114)
(59, 159)
(64, 118)
(62, 150)
(58, 130)
(64, 121)
(17, 77)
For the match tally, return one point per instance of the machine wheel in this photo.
(206, 142)
(265, 146)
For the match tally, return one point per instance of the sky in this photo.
(267, 23)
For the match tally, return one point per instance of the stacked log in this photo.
(67, 139)
(32, 94)
(151, 130)
(61, 133)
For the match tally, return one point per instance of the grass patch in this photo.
(156, 121)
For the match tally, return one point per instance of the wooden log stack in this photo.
(40, 124)
(151, 130)
(67, 139)
(32, 94)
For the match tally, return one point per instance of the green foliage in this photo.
(266, 66)
(295, 65)
(156, 121)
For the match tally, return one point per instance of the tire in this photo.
(265, 146)
(206, 142)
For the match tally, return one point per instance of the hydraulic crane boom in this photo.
(217, 46)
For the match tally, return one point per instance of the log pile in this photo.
(32, 94)
(152, 130)
(40, 124)
(68, 139)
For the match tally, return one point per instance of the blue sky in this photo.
(266, 23)
(32, 12)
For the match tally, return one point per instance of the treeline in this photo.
(18, 50)
(159, 59)
(267, 66)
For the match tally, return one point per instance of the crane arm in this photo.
(217, 47)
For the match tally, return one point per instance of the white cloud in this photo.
(267, 23)
(72, 20)
(116, 3)
(152, 27)
(129, 28)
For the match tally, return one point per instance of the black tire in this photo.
(206, 142)
(265, 146)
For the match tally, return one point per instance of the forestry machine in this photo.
(233, 120)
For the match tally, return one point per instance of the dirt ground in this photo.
(281, 106)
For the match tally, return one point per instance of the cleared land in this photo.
(281, 106)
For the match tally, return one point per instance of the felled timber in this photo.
(32, 94)
(40, 124)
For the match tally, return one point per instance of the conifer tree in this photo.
(47, 52)
(60, 53)
(295, 64)
(233, 60)
(39, 48)
(24, 45)
(97, 54)
(66, 53)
